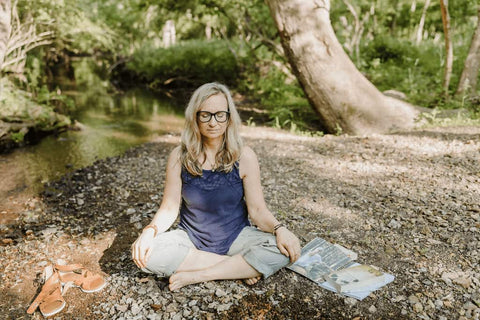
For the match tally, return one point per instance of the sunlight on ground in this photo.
(272, 134)
(20, 276)
(323, 207)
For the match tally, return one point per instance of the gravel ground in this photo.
(406, 202)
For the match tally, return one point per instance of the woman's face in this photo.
(213, 129)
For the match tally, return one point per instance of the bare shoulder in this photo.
(248, 161)
(176, 151)
(174, 157)
(248, 155)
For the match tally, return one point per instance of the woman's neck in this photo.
(212, 146)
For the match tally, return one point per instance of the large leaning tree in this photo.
(468, 79)
(343, 98)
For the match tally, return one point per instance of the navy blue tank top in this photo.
(213, 210)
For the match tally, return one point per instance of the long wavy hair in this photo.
(192, 145)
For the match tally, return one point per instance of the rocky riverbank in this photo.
(406, 202)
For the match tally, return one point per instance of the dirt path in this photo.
(408, 203)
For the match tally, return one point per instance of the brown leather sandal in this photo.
(86, 280)
(50, 298)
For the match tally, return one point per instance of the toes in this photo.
(252, 281)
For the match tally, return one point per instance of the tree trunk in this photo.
(422, 22)
(448, 46)
(343, 98)
(5, 28)
(468, 79)
(169, 34)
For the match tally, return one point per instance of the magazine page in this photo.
(319, 258)
(355, 278)
(365, 292)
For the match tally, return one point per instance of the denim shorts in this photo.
(258, 248)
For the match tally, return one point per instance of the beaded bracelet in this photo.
(277, 226)
(151, 226)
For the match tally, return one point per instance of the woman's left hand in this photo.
(288, 244)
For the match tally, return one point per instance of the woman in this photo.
(215, 181)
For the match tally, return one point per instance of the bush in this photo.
(415, 70)
(190, 63)
(283, 99)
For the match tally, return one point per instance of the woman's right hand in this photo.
(141, 248)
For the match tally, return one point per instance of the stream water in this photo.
(111, 123)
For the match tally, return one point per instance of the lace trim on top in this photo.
(212, 180)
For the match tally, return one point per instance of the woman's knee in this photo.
(266, 258)
(164, 260)
(168, 251)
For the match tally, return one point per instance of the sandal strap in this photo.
(69, 267)
(48, 288)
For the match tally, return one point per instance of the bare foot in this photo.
(252, 281)
(181, 279)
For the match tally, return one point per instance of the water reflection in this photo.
(110, 125)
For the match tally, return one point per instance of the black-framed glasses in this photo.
(220, 116)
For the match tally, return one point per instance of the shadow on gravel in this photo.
(120, 194)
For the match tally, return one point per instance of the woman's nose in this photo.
(213, 121)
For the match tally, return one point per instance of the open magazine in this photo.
(333, 267)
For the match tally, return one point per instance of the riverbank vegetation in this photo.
(400, 46)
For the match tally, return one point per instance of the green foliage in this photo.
(73, 24)
(17, 106)
(244, 57)
(17, 137)
(415, 70)
(283, 99)
(190, 62)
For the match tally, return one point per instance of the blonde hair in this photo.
(192, 146)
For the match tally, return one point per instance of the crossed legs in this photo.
(175, 255)
(200, 266)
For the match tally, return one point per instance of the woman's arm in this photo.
(172, 194)
(166, 214)
(287, 242)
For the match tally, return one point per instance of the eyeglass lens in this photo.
(220, 116)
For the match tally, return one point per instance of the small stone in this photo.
(394, 224)
(350, 301)
(135, 309)
(465, 282)
(413, 299)
(122, 308)
(180, 299)
(209, 285)
(418, 307)
(220, 293)
(156, 307)
(80, 201)
(192, 303)
(469, 306)
(372, 309)
(438, 304)
(187, 313)
(172, 307)
(223, 307)
(131, 211)
(7, 241)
